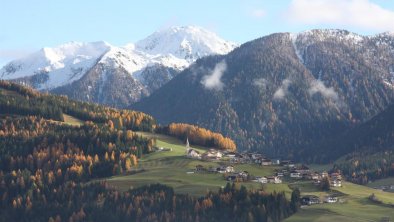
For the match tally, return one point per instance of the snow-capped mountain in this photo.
(188, 43)
(58, 66)
(89, 71)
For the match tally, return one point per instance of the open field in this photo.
(72, 120)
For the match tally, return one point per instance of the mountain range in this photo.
(117, 76)
(285, 93)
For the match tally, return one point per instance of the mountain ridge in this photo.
(62, 67)
(281, 94)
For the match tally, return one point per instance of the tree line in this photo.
(199, 136)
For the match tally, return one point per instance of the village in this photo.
(287, 170)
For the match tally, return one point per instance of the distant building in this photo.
(287, 163)
(262, 180)
(225, 169)
(266, 162)
(324, 174)
(274, 179)
(330, 199)
(303, 169)
(200, 168)
(336, 176)
(295, 174)
(212, 154)
(279, 174)
(310, 200)
(192, 153)
(336, 182)
(275, 161)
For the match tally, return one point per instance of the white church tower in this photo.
(187, 146)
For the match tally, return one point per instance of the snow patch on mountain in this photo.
(176, 47)
(187, 42)
(65, 63)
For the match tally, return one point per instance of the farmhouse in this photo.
(324, 174)
(274, 179)
(303, 169)
(192, 153)
(200, 168)
(225, 169)
(336, 182)
(244, 175)
(212, 154)
(266, 162)
(310, 199)
(295, 174)
(315, 176)
(330, 199)
(275, 161)
(287, 163)
(279, 174)
(262, 179)
(336, 176)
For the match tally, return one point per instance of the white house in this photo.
(212, 154)
(330, 199)
(229, 169)
(274, 179)
(193, 154)
(336, 183)
(225, 169)
(262, 179)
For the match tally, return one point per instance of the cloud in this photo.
(213, 80)
(281, 92)
(260, 83)
(6, 55)
(13, 53)
(318, 86)
(345, 13)
(257, 13)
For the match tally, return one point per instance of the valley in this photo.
(212, 115)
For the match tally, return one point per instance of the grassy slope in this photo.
(356, 207)
(171, 168)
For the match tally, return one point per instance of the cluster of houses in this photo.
(289, 168)
(211, 154)
(312, 199)
(228, 171)
(303, 172)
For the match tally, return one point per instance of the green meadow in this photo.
(172, 167)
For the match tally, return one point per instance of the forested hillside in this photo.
(47, 166)
(284, 93)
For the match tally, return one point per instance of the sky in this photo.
(28, 25)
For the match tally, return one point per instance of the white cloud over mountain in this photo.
(361, 14)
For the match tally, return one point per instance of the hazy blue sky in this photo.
(28, 25)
